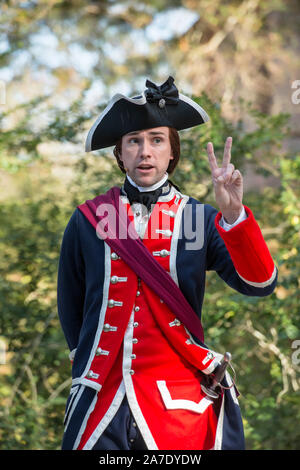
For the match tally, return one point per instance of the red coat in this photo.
(134, 345)
(157, 362)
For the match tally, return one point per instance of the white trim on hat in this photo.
(196, 106)
(115, 98)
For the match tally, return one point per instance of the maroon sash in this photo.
(108, 216)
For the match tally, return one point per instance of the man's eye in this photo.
(133, 140)
(157, 140)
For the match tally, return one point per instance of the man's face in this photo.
(146, 155)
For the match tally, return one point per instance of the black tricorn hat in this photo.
(158, 105)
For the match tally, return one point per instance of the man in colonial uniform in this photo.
(131, 285)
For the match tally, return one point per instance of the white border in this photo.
(115, 99)
(219, 431)
(130, 392)
(174, 241)
(84, 422)
(261, 284)
(196, 106)
(106, 284)
(75, 400)
(112, 410)
(181, 404)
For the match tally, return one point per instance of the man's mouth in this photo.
(145, 167)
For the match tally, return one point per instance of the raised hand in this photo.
(228, 183)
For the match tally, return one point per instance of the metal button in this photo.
(114, 303)
(101, 352)
(137, 308)
(115, 279)
(92, 375)
(131, 372)
(135, 324)
(114, 256)
(164, 253)
(161, 103)
(169, 213)
(166, 232)
(108, 327)
(134, 424)
(135, 340)
(133, 356)
(138, 293)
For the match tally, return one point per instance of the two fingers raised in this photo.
(226, 172)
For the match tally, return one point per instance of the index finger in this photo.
(211, 156)
(227, 152)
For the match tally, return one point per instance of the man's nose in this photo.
(145, 148)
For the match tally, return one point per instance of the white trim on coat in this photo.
(130, 392)
(180, 403)
(175, 236)
(109, 415)
(260, 284)
(77, 394)
(219, 431)
(87, 383)
(84, 422)
(106, 284)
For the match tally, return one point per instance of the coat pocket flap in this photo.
(181, 403)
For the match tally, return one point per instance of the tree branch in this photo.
(287, 371)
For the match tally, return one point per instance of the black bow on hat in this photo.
(166, 93)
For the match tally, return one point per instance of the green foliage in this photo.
(30, 240)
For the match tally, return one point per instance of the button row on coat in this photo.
(101, 352)
(134, 340)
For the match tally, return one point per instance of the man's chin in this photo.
(145, 180)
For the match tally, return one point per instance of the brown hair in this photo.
(175, 147)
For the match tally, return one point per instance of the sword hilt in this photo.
(217, 377)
